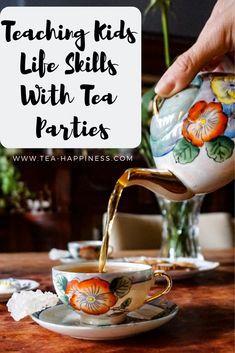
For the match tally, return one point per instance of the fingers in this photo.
(187, 65)
(179, 74)
(214, 41)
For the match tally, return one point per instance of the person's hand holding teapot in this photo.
(216, 40)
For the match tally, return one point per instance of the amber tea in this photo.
(95, 269)
(154, 180)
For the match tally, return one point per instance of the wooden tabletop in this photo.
(204, 323)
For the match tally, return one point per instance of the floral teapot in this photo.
(192, 139)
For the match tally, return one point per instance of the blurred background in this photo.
(45, 204)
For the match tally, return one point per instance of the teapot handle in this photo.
(156, 100)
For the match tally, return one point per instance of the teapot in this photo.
(192, 138)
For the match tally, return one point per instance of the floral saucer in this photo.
(64, 320)
(12, 285)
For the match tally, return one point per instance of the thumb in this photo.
(182, 71)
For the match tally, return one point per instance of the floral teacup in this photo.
(106, 298)
(192, 133)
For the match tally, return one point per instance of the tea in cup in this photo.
(105, 298)
(86, 250)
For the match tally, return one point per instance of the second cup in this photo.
(86, 250)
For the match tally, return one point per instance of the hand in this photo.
(215, 40)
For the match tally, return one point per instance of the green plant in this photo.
(145, 148)
(164, 6)
(146, 113)
(13, 191)
(180, 227)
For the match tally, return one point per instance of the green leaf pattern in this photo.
(125, 303)
(184, 152)
(220, 149)
(121, 286)
(61, 282)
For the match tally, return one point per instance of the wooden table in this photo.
(204, 323)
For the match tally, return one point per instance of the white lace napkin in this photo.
(56, 254)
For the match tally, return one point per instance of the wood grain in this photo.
(204, 322)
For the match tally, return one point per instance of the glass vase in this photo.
(180, 227)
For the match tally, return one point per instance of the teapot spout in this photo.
(161, 182)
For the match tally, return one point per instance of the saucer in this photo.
(70, 260)
(202, 266)
(22, 284)
(64, 320)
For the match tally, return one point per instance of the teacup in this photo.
(86, 250)
(106, 298)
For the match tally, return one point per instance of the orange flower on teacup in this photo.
(205, 122)
(92, 296)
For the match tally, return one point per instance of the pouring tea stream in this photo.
(192, 139)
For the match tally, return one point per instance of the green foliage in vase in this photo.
(180, 227)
